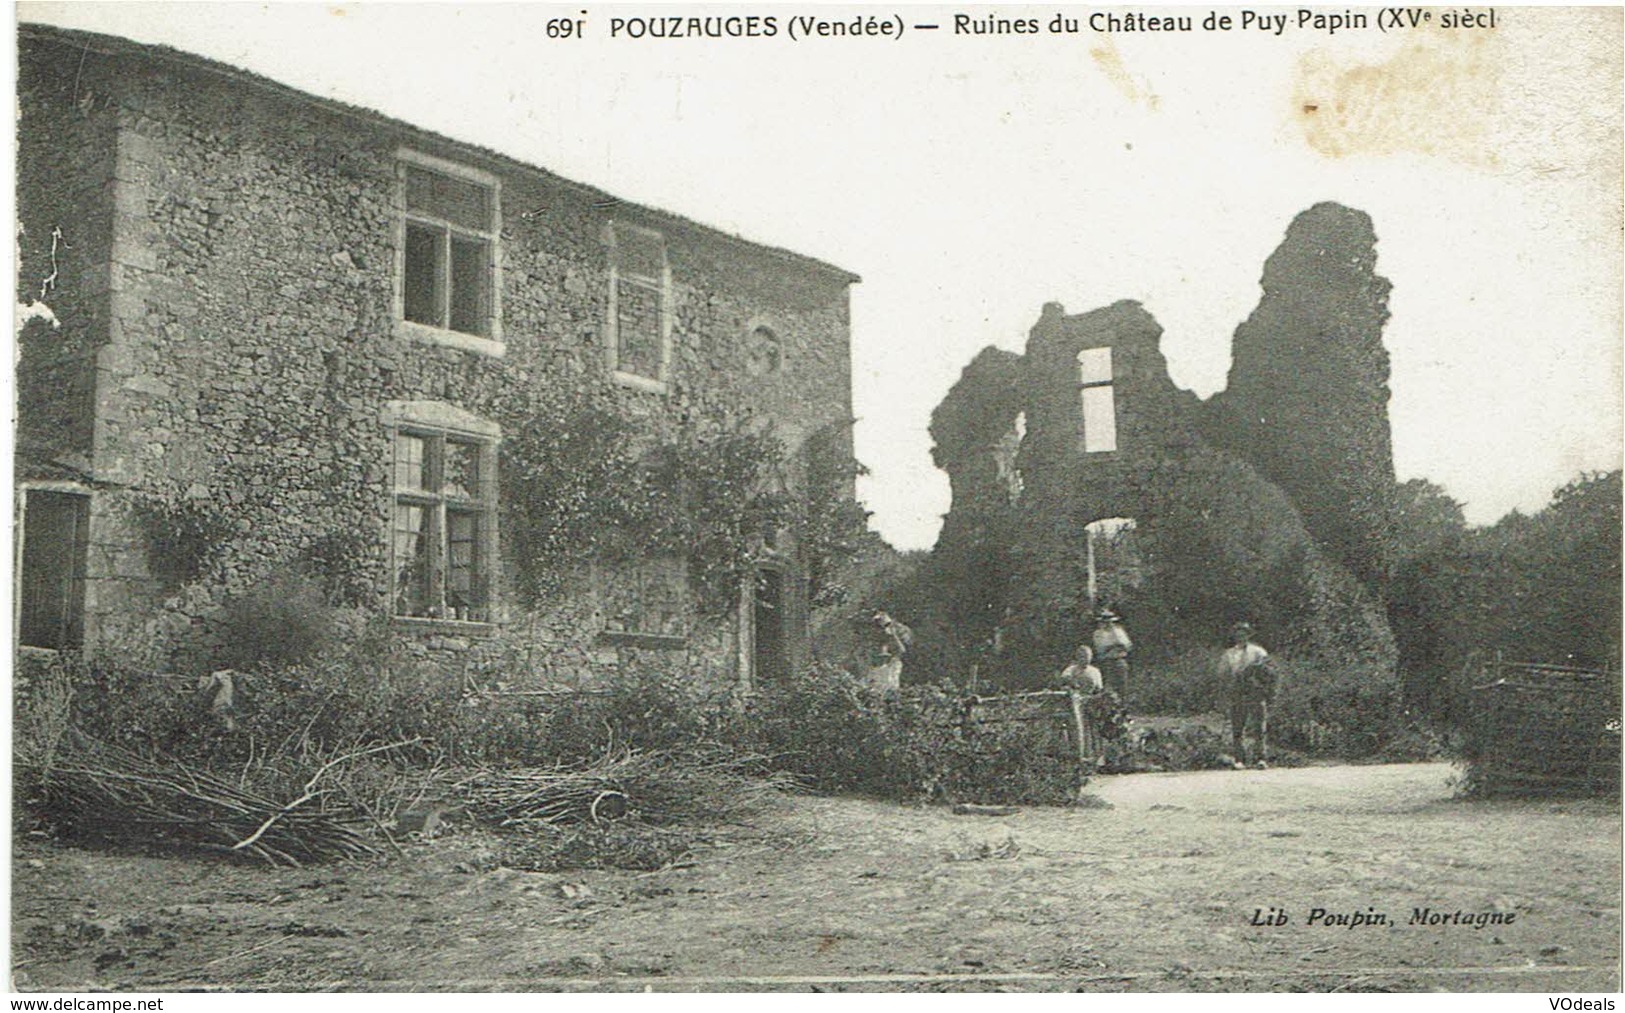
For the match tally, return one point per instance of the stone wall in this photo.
(1218, 535)
(64, 231)
(1307, 399)
(252, 340)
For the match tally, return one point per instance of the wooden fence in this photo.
(1059, 707)
(1544, 730)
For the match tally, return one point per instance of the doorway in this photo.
(769, 663)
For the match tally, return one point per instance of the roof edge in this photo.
(116, 45)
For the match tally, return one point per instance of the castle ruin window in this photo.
(1098, 403)
(638, 331)
(1113, 561)
(450, 228)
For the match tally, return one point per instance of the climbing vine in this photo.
(834, 524)
(181, 534)
(581, 481)
(724, 495)
(572, 491)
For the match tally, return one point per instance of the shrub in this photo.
(1348, 720)
(280, 621)
(42, 707)
(643, 709)
(827, 728)
(838, 734)
(130, 708)
(1187, 682)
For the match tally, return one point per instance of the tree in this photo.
(1573, 558)
(1539, 588)
(1429, 531)
(1426, 520)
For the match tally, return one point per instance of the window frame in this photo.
(649, 580)
(1084, 386)
(437, 424)
(491, 342)
(661, 286)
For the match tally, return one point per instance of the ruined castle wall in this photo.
(1307, 398)
(1218, 540)
(974, 431)
(1153, 417)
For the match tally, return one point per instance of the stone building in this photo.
(296, 330)
(1269, 501)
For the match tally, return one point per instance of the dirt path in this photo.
(1157, 892)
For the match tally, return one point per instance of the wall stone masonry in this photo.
(233, 279)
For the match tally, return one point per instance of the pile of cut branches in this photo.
(657, 788)
(98, 792)
(626, 811)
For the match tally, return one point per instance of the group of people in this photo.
(1110, 645)
(1249, 676)
(1101, 667)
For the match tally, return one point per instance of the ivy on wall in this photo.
(586, 479)
(581, 481)
(721, 492)
(834, 524)
(571, 491)
(182, 535)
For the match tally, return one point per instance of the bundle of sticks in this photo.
(102, 793)
(660, 789)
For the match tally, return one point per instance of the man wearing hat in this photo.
(1111, 649)
(1251, 675)
(888, 641)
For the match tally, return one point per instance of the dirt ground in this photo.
(1157, 892)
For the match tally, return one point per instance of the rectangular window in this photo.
(1099, 407)
(444, 524)
(662, 594)
(51, 585)
(639, 331)
(450, 237)
(648, 598)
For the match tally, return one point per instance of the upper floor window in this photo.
(443, 530)
(449, 254)
(638, 335)
(1099, 408)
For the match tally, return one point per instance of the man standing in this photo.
(1112, 646)
(888, 642)
(1251, 675)
(1086, 690)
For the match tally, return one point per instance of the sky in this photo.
(969, 179)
